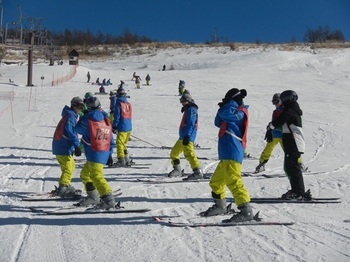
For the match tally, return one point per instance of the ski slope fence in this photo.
(58, 79)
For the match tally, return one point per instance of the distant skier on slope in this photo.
(138, 82)
(148, 79)
(88, 76)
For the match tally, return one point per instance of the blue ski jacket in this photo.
(84, 128)
(230, 146)
(65, 139)
(122, 115)
(189, 122)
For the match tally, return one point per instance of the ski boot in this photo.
(67, 192)
(92, 198)
(120, 162)
(196, 175)
(307, 195)
(289, 195)
(260, 168)
(245, 214)
(176, 172)
(107, 202)
(219, 208)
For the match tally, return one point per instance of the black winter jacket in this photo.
(291, 123)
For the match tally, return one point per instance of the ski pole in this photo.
(143, 141)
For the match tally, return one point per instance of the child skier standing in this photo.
(96, 131)
(293, 143)
(273, 138)
(122, 126)
(232, 119)
(65, 143)
(185, 143)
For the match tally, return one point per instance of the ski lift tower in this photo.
(35, 25)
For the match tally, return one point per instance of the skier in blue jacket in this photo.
(232, 119)
(122, 127)
(187, 137)
(96, 131)
(66, 143)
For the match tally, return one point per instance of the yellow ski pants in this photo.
(228, 173)
(67, 165)
(93, 172)
(188, 151)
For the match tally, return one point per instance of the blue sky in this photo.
(188, 20)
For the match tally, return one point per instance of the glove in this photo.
(114, 131)
(268, 135)
(77, 151)
(186, 140)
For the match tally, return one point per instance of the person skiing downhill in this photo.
(96, 131)
(66, 143)
(232, 120)
(293, 143)
(185, 143)
(122, 127)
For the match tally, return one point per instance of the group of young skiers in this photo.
(86, 117)
(232, 121)
(97, 127)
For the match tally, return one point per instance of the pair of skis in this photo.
(74, 209)
(277, 200)
(279, 175)
(257, 221)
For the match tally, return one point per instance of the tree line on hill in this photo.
(323, 34)
(78, 37)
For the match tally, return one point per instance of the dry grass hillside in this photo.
(19, 54)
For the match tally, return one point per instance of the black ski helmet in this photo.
(236, 95)
(288, 96)
(276, 98)
(92, 103)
